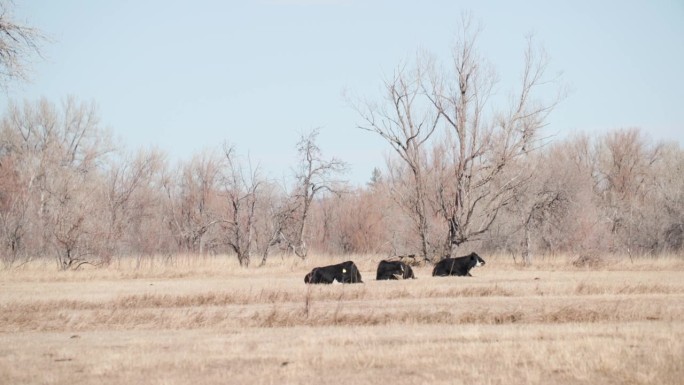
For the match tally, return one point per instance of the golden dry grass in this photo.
(208, 321)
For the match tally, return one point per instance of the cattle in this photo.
(394, 270)
(457, 266)
(345, 272)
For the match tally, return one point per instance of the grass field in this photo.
(207, 321)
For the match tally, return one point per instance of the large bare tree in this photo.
(463, 173)
(624, 182)
(126, 196)
(192, 200)
(55, 155)
(544, 201)
(278, 214)
(406, 123)
(240, 187)
(314, 176)
(481, 146)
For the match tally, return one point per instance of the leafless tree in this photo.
(192, 200)
(127, 182)
(405, 123)
(70, 216)
(80, 145)
(314, 175)
(23, 165)
(16, 190)
(479, 148)
(545, 199)
(240, 187)
(278, 215)
(57, 152)
(461, 172)
(18, 43)
(624, 184)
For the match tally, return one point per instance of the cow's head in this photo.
(476, 258)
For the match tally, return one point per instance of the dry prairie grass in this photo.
(208, 321)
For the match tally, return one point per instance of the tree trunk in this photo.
(243, 258)
(526, 255)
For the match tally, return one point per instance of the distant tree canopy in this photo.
(67, 194)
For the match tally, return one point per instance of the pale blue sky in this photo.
(188, 75)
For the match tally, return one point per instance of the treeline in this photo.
(68, 194)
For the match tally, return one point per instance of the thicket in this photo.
(66, 193)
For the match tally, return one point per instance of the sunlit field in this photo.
(208, 321)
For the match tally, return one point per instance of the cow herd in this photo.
(347, 272)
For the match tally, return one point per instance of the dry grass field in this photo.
(207, 321)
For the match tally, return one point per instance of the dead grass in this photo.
(208, 321)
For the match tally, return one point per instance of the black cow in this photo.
(457, 266)
(394, 270)
(345, 272)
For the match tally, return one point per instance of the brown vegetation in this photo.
(68, 195)
(155, 284)
(158, 320)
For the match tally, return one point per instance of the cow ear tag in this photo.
(344, 270)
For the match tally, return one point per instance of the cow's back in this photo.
(449, 266)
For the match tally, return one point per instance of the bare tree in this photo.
(123, 196)
(16, 190)
(461, 172)
(240, 187)
(405, 123)
(545, 199)
(70, 217)
(56, 155)
(473, 185)
(18, 43)
(192, 201)
(278, 215)
(624, 182)
(313, 176)
(80, 147)
(23, 165)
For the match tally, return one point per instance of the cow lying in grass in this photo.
(393, 270)
(457, 266)
(345, 272)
